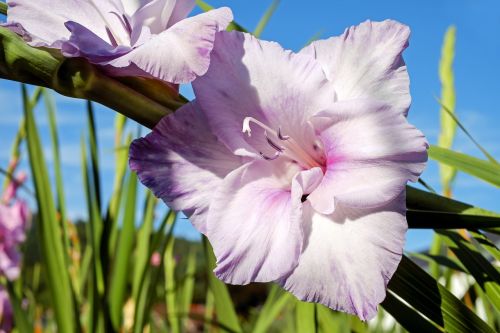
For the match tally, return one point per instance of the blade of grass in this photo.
(225, 311)
(484, 170)
(419, 219)
(117, 286)
(3, 8)
(52, 245)
(408, 317)
(96, 288)
(186, 290)
(232, 26)
(150, 276)
(21, 319)
(170, 286)
(61, 204)
(265, 18)
(448, 126)
(306, 317)
(142, 249)
(485, 274)
(462, 127)
(413, 285)
(275, 303)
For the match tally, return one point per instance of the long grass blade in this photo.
(484, 170)
(52, 245)
(448, 125)
(266, 18)
(413, 285)
(226, 313)
(121, 263)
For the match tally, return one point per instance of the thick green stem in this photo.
(78, 78)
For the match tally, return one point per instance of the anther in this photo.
(281, 136)
(274, 145)
(272, 158)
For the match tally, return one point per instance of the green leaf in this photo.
(412, 284)
(275, 303)
(52, 245)
(170, 286)
(265, 18)
(186, 289)
(421, 200)
(419, 219)
(3, 8)
(121, 264)
(232, 26)
(21, 319)
(462, 127)
(448, 262)
(226, 314)
(484, 170)
(306, 317)
(485, 274)
(151, 275)
(142, 249)
(410, 319)
(448, 125)
(61, 204)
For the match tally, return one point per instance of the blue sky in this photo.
(294, 23)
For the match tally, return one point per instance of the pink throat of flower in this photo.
(287, 146)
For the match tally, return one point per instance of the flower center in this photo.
(287, 146)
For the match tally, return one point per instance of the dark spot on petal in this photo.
(304, 198)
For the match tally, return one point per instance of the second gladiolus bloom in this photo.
(295, 165)
(151, 38)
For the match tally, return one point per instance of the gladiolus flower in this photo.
(14, 216)
(295, 165)
(151, 38)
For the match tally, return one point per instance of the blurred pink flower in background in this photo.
(156, 259)
(14, 217)
(6, 315)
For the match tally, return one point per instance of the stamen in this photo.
(108, 26)
(124, 21)
(290, 148)
(281, 136)
(272, 158)
(274, 145)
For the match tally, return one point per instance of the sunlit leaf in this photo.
(484, 170)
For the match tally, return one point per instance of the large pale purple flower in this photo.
(14, 216)
(128, 37)
(295, 165)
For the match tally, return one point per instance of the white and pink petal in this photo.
(183, 163)
(180, 53)
(254, 221)
(349, 257)
(366, 62)
(372, 152)
(249, 77)
(42, 21)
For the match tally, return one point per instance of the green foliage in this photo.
(448, 125)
